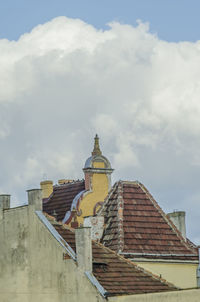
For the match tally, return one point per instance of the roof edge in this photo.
(96, 283)
(169, 222)
(56, 235)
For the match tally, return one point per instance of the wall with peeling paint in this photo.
(32, 265)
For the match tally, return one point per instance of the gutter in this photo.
(160, 255)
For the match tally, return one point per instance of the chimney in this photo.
(64, 181)
(4, 203)
(96, 223)
(47, 188)
(35, 199)
(178, 218)
(84, 248)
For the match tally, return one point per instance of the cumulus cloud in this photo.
(65, 80)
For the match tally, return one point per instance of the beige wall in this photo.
(32, 266)
(178, 296)
(183, 275)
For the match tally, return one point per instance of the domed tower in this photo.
(97, 165)
(97, 172)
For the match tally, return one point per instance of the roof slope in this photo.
(117, 275)
(61, 199)
(136, 225)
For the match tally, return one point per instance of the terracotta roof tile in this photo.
(117, 275)
(61, 199)
(145, 229)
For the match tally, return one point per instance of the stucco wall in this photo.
(32, 266)
(183, 275)
(179, 296)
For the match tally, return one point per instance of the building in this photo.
(42, 259)
(46, 252)
(125, 218)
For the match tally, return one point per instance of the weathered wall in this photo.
(32, 266)
(179, 296)
(182, 275)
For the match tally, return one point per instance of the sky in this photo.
(127, 70)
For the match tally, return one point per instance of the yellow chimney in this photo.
(47, 188)
(64, 181)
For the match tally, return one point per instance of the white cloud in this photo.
(65, 80)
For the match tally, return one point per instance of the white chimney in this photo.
(35, 199)
(178, 218)
(96, 223)
(84, 248)
(4, 203)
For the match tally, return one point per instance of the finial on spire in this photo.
(96, 150)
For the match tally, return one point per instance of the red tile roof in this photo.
(61, 199)
(137, 226)
(117, 275)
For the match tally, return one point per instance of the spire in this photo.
(96, 150)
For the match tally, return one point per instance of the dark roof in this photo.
(137, 226)
(117, 275)
(61, 199)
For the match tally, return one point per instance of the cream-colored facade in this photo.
(32, 267)
(183, 274)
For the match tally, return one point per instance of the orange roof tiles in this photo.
(61, 199)
(117, 275)
(136, 225)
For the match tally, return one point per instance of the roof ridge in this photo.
(169, 222)
(120, 215)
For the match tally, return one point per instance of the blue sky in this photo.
(172, 20)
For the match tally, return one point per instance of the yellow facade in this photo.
(183, 275)
(98, 192)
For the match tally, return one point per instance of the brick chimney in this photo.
(178, 218)
(84, 248)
